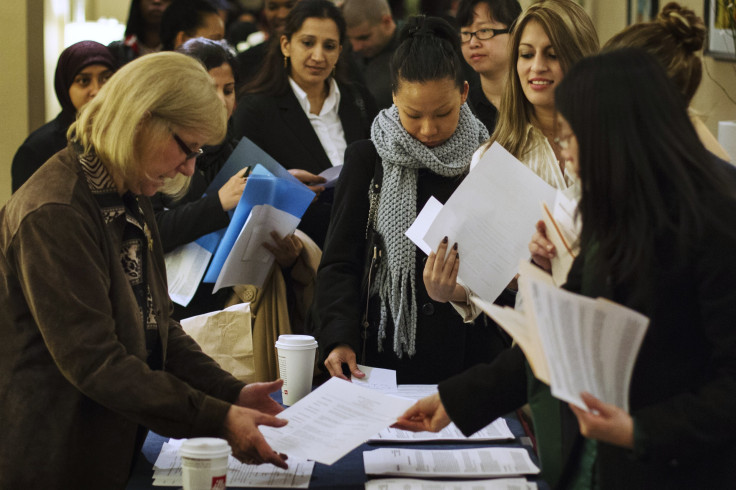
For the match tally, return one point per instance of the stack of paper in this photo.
(572, 342)
(498, 430)
(167, 471)
(442, 463)
(414, 484)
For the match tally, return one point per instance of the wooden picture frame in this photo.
(721, 36)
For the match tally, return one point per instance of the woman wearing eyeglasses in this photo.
(484, 35)
(548, 38)
(90, 357)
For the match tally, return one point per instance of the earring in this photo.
(334, 67)
(286, 61)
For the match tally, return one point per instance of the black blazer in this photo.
(278, 125)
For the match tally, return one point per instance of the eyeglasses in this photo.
(481, 34)
(185, 149)
(563, 141)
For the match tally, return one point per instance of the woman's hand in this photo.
(542, 249)
(343, 354)
(440, 275)
(428, 414)
(286, 250)
(257, 396)
(241, 431)
(231, 191)
(605, 422)
(310, 180)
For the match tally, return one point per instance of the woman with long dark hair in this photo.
(422, 147)
(658, 233)
(301, 109)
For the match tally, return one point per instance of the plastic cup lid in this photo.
(205, 447)
(296, 342)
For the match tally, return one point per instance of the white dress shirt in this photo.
(327, 123)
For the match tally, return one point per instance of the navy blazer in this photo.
(278, 125)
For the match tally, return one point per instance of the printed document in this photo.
(449, 463)
(491, 216)
(333, 420)
(383, 380)
(414, 484)
(249, 262)
(167, 471)
(498, 430)
(572, 342)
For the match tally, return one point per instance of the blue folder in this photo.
(286, 195)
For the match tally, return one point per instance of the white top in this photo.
(327, 123)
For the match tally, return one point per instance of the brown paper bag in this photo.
(226, 336)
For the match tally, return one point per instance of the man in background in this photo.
(372, 33)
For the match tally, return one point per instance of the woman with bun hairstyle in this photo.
(675, 37)
(658, 231)
(83, 68)
(422, 147)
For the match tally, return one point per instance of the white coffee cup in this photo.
(204, 463)
(296, 366)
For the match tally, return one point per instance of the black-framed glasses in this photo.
(482, 34)
(185, 149)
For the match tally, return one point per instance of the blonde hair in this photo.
(674, 38)
(572, 35)
(141, 105)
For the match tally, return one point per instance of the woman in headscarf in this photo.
(82, 69)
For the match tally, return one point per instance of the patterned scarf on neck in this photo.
(402, 157)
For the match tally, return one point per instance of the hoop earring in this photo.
(286, 61)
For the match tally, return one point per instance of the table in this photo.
(346, 474)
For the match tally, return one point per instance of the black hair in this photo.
(272, 79)
(429, 49)
(642, 167)
(135, 25)
(211, 53)
(504, 11)
(183, 16)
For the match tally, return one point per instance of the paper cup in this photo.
(204, 463)
(296, 366)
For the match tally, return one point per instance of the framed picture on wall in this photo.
(641, 10)
(720, 17)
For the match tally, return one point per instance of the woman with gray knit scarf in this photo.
(422, 146)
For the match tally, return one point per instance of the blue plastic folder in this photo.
(262, 188)
(247, 154)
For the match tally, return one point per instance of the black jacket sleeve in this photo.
(478, 396)
(338, 303)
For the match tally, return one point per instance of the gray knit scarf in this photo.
(402, 157)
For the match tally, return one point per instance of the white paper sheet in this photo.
(249, 262)
(331, 174)
(498, 430)
(421, 224)
(414, 484)
(588, 344)
(332, 420)
(449, 463)
(185, 268)
(491, 216)
(167, 471)
(383, 380)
